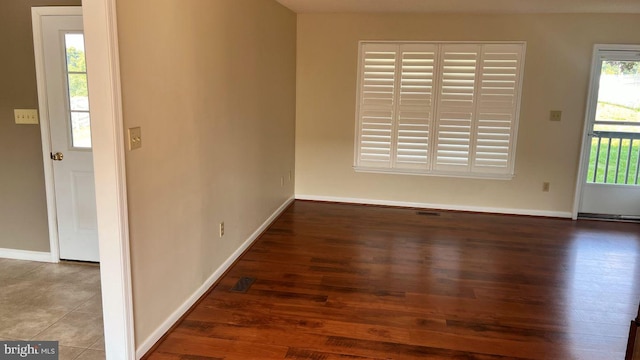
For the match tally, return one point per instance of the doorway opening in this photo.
(609, 183)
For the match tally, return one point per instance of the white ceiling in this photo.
(465, 6)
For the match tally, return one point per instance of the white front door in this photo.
(612, 172)
(70, 135)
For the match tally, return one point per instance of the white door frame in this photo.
(590, 114)
(101, 38)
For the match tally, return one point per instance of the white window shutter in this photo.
(376, 105)
(499, 87)
(439, 108)
(456, 106)
(414, 111)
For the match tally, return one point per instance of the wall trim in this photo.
(107, 135)
(480, 209)
(26, 255)
(155, 336)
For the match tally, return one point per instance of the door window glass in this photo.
(78, 91)
(615, 145)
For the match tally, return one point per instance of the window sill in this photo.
(434, 173)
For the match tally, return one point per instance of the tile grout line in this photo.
(73, 347)
(31, 271)
(48, 327)
(97, 341)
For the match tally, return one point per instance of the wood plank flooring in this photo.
(337, 281)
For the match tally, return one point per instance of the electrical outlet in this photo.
(555, 115)
(281, 181)
(135, 138)
(222, 229)
(26, 116)
(545, 186)
(290, 175)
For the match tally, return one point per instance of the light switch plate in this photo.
(135, 138)
(26, 116)
(555, 115)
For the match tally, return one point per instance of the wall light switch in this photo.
(555, 115)
(135, 138)
(26, 116)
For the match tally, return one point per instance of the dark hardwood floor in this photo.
(336, 281)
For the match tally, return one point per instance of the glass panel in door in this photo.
(615, 144)
(613, 177)
(78, 93)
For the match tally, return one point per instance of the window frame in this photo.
(432, 155)
(71, 135)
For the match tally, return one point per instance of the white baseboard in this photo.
(26, 255)
(148, 343)
(530, 212)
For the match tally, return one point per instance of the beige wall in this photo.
(212, 84)
(23, 207)
(556, 77)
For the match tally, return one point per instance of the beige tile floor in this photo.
(57, 302)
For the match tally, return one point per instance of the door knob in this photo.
(57, 156)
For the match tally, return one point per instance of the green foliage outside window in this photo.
(621, 67)
(76, 64)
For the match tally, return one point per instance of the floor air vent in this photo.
(243, 285)
(427, 213)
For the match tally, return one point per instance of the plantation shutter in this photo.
(415, 106)
(499, 87)
(394, 129)
(439, 108)
(377, 105)
(456, 107)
